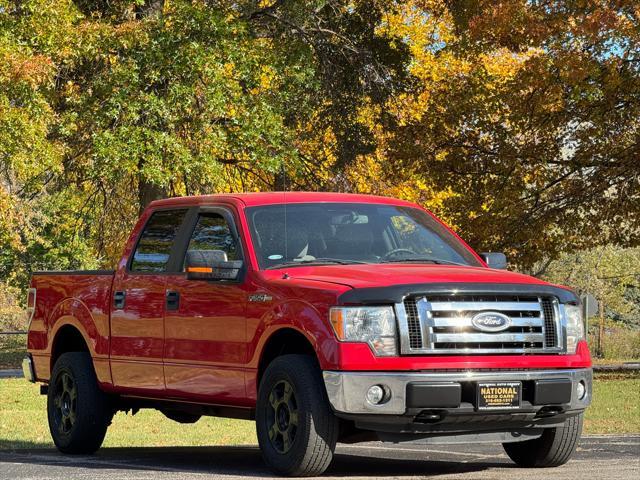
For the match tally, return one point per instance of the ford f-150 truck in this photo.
(325, 318)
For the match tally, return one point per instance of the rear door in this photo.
(205, 343)
(138, 305)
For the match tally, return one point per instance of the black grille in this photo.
(415, 333)
(550, 337)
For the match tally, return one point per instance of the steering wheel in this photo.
(395, 251)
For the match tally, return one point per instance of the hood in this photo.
(390, 283)
(383, 275)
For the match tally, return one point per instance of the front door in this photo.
(138, 303)
(205, 333)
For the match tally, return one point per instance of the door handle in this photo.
(173, 300)
(118, 299)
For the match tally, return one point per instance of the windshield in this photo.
(342, 233)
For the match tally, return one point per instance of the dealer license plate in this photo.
(499, 395)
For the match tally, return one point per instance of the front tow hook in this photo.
(430, 416)
(549, 412)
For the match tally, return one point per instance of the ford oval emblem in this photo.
(491, 322)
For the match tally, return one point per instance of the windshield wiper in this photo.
(315, 261)
(437, 261)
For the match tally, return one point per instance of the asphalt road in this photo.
(598, 457)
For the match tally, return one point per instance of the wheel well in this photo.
(283, 342)
(68, 339)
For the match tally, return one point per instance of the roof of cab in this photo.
(269, 198)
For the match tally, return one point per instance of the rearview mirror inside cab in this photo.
(211, 265)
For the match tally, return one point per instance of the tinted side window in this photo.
(212, 232)
(156, 241)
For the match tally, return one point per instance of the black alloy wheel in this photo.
(282, 416)
(65, 403)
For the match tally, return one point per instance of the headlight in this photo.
(575, 326)
(373, 325)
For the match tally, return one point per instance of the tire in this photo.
(78, 411)
(552, 449)
(297, 431)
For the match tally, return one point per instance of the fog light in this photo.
(375, 394)
(581, 390)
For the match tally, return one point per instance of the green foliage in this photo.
(12, 316)
(105, 106)
(612, 275)
(523, 123)
(515, 121)
(618, 343)
(609, 273)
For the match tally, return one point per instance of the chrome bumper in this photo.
(347, 390)
(27, 369)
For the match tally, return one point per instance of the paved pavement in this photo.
(598, 457)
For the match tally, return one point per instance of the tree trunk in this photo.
(281, 181)
(148, 192)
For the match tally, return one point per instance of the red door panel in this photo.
(137, 333)
(205, 342)
(205, 336)
(138, 305)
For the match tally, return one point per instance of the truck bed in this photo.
(80, 298)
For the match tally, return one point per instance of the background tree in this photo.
(523, 125)
(517, 121)
(612, 275)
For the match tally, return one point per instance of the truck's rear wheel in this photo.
(78, 411)
(296, 429)
(552, 449)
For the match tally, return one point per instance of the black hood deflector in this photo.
(397, 293)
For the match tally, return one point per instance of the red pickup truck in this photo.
(323, 317)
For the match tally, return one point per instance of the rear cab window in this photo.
(156, 242)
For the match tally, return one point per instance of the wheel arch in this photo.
(284, 341)
(68, 338)
(72, 327)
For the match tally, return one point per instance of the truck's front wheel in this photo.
(552, 449)
(78, 411)
(296, 429)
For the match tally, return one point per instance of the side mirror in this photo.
(211, 265)
(495, 260)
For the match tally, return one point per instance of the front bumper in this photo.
(544, 391)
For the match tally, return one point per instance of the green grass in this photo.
(23, 424)
(23, 419)
(12, 350)
(616, 405)
(613, 361)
